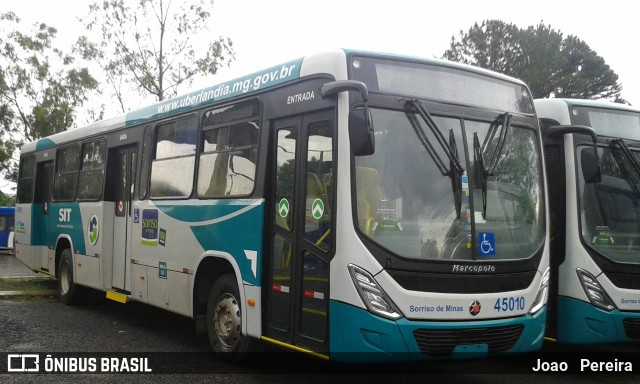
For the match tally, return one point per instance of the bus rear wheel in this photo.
(66, 287)
(224, 321)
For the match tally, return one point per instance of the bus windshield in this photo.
(406, 202)
(610, 210)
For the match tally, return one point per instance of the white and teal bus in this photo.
(354, 206)
(594, 202)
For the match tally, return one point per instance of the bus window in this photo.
(285, 177)
(610, 210)
(319, 181)
(173, 166)
(144, 173)
(229, 147)
(91, 176)
(64, 183)
(27, 177)
(228, 160)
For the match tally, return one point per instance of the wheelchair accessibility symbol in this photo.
(486, 244)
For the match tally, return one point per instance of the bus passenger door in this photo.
(299, 219)
(123, 160)
(41, 218)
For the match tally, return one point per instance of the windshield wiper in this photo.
(448, 151)
(456, 177)
(455, 170)
(506, 124)
(631, 158)
(478, 154)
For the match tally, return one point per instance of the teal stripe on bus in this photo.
(267, 78)
(231, 226)
(63, 219)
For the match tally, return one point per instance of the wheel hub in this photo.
(64, 278)
(227, 320)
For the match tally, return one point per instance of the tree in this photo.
(7, 201)
(492, 45)
(41, 91)
(549, 63)
(152, 45)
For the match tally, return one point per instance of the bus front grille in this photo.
(441, 342)
(456, 283)
(632, 328)
(624, 280)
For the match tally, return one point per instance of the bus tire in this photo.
(67, 289)
(224, 321)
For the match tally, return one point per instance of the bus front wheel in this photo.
(66, 287)
(224, 321)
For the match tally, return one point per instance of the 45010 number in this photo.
(508, 304)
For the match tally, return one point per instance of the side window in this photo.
(173, 166)
(319, 184)
(66, 176)
(91, 177)
(229, 145)
(285, 177)
(144, 172)
(26, 179)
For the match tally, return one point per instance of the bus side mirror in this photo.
(589, 156)
(361, 132)
(590, 166)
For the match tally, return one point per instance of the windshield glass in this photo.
(407, 205)
(610, 210)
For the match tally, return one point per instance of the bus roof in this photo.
(588, 103)
(441, 62)
(279, 74)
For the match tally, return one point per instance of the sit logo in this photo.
(64, 215)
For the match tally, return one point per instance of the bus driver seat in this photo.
(369, 194)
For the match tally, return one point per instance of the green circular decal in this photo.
(93, 230)
(317, 209)
(283, 207)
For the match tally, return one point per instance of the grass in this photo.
(30, 284)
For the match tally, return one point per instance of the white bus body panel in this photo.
(24, 250)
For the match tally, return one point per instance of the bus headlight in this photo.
(372, 295)
(596, 294)
(542, 295)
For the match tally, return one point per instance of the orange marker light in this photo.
(251, 302)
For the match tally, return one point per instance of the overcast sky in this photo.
(267, 32)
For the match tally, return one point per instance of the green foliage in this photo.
(7, 201)
(152, 46)
(549, 63)
(40, 88)
(29, 285)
